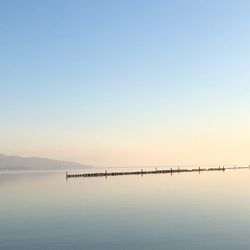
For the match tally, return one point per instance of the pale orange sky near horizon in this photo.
(174, 147)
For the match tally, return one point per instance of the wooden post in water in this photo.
(178, 169)
(171, 171)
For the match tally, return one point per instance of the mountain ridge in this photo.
(13, 162)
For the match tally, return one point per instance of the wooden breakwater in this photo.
(156, 171)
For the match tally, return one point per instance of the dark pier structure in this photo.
(144, 172)
(156, 171)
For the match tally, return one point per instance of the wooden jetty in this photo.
(156, 171)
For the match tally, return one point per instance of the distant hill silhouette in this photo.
(36, 163)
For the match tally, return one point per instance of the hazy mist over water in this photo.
(207, 211)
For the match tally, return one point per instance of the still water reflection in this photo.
(187, 211)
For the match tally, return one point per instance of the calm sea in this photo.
(206, 211)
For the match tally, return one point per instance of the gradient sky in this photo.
(126, 82)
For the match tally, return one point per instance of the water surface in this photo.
(208, 211)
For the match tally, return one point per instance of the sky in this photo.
(122, 83)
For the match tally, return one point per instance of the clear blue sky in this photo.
(126, 82)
